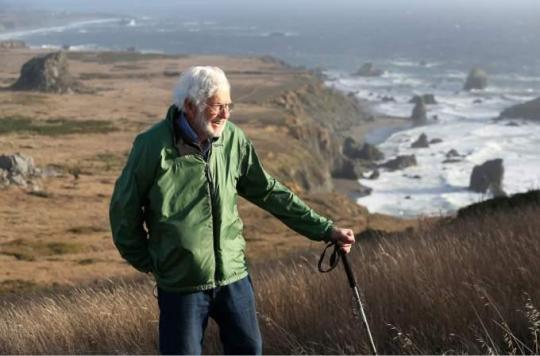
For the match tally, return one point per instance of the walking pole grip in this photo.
(348, 270)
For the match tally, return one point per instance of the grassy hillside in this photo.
(466, 285)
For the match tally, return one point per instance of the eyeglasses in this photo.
(217, 108)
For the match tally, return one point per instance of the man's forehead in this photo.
(220, 95)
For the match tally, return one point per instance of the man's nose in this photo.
(224, 113)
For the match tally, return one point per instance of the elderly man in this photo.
(174, 213)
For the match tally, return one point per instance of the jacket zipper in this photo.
(212, 193)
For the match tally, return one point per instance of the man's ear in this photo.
(190, 108)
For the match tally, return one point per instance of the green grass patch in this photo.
(27, 250)
(53, 127)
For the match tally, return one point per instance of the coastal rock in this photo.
(488, 176)
(368, 70)
(374, 175)
(452, 153)
(421, 142)
(368, 152)
(18, 164)
(419, 114)
(17, 169)
(400, 162)
(452, 156)
(388, 99)
(428, 99)
(371, 153)
(49, 73)
(434, 141)
(12, 44)
(351, 169)
(529, 110)
(477, 79)
(362, 190)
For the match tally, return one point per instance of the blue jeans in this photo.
(183, 319)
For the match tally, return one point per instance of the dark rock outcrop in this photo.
(368, 151)
(368, 70)
(421, 142)
(388, 99)
(452, 156)
(352, 169)
(477, 79)
(452, 153)
(362, 191)
(400, 162)
(428, 99)
(529, 110)
(374, 175)
(49, 73)
(488, 177)
(419, 114)
(434, 141)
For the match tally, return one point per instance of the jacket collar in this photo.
(182, 139)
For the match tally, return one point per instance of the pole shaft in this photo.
(364, 320)
(356, 293)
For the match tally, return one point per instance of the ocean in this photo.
(423, 46)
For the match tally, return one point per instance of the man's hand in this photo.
(344, 238)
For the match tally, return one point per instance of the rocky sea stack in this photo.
(49, 73)
(488, 177)
(369, 70)
(427, 99)
(477, 79)
(419, 113)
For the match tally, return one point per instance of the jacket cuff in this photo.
(327, 234)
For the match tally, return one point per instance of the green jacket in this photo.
(175, 214)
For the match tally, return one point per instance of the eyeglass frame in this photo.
(217, 108)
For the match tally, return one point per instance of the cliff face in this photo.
(318, 118)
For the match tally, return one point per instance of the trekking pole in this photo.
(334, 260)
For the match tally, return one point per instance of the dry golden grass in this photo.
(465, 286)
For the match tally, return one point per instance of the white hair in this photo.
(198, 84)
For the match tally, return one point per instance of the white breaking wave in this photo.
(463, 121)
(29, 32)
(433, 187)
(74, 48)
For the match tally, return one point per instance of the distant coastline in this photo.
(17, 34)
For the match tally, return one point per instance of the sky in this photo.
(129, 6)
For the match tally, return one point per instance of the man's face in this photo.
(213, 115)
